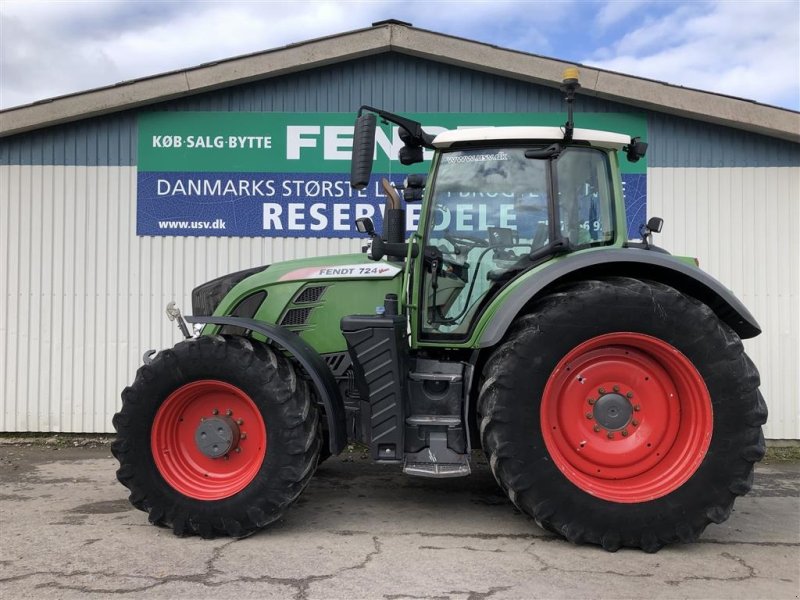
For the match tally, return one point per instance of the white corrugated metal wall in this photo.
(742, 224)
(82, 296)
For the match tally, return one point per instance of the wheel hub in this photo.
(626, 417)
(613, 411)
(208, 439)
(216, 436)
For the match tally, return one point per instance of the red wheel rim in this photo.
(179, 459)
(626, 417)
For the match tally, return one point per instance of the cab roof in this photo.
(602, 139)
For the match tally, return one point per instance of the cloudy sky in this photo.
(745, 48)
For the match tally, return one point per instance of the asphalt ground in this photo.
(366, 531)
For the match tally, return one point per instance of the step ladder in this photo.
(437, 460)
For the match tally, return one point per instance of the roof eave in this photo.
(633, 91)
(204, 78)
(625, 89)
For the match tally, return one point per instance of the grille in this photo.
(295, 317)
(310, 294)
(247, 309)
(338, 363)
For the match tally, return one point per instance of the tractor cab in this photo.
(498, 202)
(501, 200)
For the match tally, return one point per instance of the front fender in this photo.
(628, 262)
(319, 372)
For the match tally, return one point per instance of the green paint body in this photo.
(360, 294)
(357, 291)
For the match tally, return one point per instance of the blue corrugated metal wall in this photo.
(402, 84)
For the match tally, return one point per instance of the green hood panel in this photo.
(310, 296)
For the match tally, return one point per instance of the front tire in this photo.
(216, 436)
(620, 412)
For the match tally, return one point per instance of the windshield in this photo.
(491, 210)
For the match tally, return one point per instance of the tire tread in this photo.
(740, 441)
(296, 430)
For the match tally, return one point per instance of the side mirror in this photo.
(363, 150)
(636, 149)
(364, 225)
(654, 224)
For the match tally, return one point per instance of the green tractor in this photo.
(605, 380)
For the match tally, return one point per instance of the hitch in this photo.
(174, 314)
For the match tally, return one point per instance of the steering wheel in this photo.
(462, 239)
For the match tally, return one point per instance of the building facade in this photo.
(85, 279)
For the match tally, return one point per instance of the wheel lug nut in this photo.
(596, 428)
(610, 435)
(635, 422)
(624, 433)
(616, 388)
(601, 390)
(591, 401)
(238, 449)
(215, 411)
(629, 395)
(229, 412)
(588, 415)
(243, 436)
(637, 408)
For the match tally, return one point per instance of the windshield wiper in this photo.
(551, 151)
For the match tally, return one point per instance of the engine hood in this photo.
(310, 296)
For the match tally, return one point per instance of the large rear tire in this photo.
(621, 412)
(216, 436)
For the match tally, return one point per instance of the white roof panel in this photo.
(603, 139)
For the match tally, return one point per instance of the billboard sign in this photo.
(287, 174)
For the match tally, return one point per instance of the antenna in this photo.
(569, 84)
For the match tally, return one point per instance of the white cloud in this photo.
(745, 49)
(615, 11)
(54, 47)
(29, 74)
(741, 48)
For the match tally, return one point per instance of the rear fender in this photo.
(642, 264)
(319, 372)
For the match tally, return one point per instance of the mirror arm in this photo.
(381, 248)
(413, 127)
